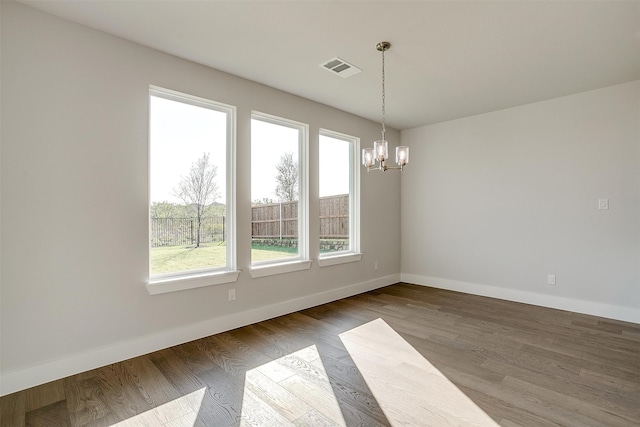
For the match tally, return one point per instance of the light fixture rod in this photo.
(383, 47)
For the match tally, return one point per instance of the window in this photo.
(278, 195)
(191, 205)
(339, 198)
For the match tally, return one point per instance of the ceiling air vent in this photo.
(340, 67)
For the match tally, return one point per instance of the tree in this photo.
(198, 189)
(263, 201)
(287, 177)
(167, 210)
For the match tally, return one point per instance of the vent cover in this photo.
(340, 67)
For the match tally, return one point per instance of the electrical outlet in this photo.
(603, 204)
(375, 266)
(551, 279)
(232, 294)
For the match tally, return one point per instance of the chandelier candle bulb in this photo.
(381, 148)
(402, 155)
(367, 157)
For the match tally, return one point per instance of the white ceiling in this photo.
(449, 59)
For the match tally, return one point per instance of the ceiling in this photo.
(449, 59)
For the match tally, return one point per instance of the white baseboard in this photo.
(627, 314)
(11, 382)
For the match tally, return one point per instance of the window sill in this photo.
(339, 259)
(285, 267)
(174, 284)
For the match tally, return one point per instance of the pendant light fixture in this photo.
(380, 151)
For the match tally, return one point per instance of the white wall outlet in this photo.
(603, 203)
(232, 294)
(375, 266)
(551, 279)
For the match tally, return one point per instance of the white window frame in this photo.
(302, 261)
(178, 281)
(353, 254)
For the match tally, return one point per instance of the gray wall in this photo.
(74, 203)
(494, 203)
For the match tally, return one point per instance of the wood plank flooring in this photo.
(400, 355)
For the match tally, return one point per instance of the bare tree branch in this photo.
(199, 189)
(287, 177)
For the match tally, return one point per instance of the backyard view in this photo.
(188, 212)
(174, 236)
(188, 183)
(183, 258)
(275, 188)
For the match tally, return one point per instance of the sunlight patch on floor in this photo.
(292, 389)
(409, 389)
(181, 412)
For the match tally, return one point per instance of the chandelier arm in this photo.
(381, 168)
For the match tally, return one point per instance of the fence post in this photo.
(223, 225)
(280, 220)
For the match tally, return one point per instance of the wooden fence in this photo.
(269, 221)
(275, 221)
(280, 220)
(334, 217)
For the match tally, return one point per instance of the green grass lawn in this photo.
(183, 258)
(265, 253)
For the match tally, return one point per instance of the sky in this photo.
(181, 133)
(268, 142)
(334, 166)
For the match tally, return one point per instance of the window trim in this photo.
(302, 261)
(353, 254)
(177, 281)
(342, 257)
(263, 270)
(181, 283)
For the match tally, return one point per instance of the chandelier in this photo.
(380, 151)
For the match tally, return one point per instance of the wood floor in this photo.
(400, 355)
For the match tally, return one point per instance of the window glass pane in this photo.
(187, 173)
(275, 189)
(335, 198)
